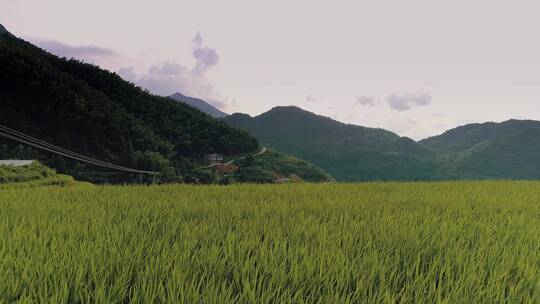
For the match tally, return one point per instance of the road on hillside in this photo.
(254, 155)
(263, 150)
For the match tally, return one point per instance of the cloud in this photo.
(438, 115)
(90, 53)
(405, 102)
(310, 98)
(366, 101)
(205, 56)
(167, 78)
(128, 73)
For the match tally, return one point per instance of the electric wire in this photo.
(40, 142)
(25, 139)
(111, 166)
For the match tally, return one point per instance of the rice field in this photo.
(462, 242)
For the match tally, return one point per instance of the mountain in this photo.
(347, 152)
(199, 104)
(95, 112)
(507, 150)
(3, 30)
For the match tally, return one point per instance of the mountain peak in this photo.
(199, 104)
(349, 152)
(288, 111)
(3, 30)
(178, 95)
(291, 109)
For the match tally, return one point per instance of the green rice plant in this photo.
(34, 171)
(456, 242)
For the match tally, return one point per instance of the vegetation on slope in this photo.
(59, 180)
(273, 166)
(332, 243)
(35, 175)
(94, 112)
(508, 150)
(347, 152)
(34, 171)
(267, 167)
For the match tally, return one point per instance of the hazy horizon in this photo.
(416, 68)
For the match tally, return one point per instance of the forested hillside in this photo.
(94, 112)
(507, 150)
(347, 152)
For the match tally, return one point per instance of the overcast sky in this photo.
(414, 67)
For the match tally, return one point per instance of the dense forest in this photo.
(347, 152)
(507, 150)
(94, 112)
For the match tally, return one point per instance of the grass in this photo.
(32, 172)
(463, 242)
(59, 180)
(286, 166)
(35, 175)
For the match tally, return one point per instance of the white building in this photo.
(215, 158)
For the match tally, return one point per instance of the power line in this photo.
(34, 142)
(110, 166)
(56, 148)
(43, 143)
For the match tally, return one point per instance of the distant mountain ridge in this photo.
(506, 150)
(347, 152)
(199, 104)
(3, 30)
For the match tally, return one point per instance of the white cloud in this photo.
(169, 77)
(310, 98)
(366, 101)
(405, 102)
(205, 56)
(89, 53)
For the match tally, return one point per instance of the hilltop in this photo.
(199, 104)
(507, 150)
(3, 30)
(347, 152)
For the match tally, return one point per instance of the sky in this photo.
(416, 67)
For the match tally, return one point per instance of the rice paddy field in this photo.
(459, 242)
